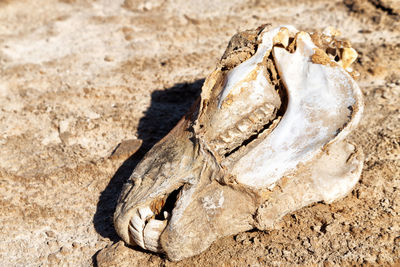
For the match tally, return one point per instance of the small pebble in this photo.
(50, 234)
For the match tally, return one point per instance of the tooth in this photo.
(233, 133)
(219, 144)
(244, 126)
(253, 118)
(137, 222)
(165, 214)
(221, 151)
(145, 213)
(260, 114)
(267, 110)
(137, 236)
(136, 227)
(226, 138)
(152, 233)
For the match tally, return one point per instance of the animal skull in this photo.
(266, 137)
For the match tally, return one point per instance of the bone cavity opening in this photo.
(319, 103)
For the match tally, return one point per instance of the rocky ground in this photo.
(85, 83)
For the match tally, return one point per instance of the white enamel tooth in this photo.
(253, 118)
(267, 110)
(145, 213)
(259, 113)
(137, 236)
(166, 214)
(152, 240)
(244, 126)
(137, 222)
(152, 233)
(233, 133)
(136, 227)
(226, 138)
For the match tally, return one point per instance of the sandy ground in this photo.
(80, 80)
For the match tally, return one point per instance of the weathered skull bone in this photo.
(266, 138)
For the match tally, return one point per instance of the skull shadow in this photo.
(166, 109)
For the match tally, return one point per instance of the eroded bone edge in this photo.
(237, 75)
(279, 152)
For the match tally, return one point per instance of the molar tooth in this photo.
(218, 143)
(226, 138)
(219, 146)
(244, 126)
(260, 114)
(233, 133)
(257, 116)
(267, 110)
(253, 118)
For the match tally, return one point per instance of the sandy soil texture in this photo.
(85, 83)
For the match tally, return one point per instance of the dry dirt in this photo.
(82, 81)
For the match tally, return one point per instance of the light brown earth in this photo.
(80, 80)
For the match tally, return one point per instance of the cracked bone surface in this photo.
(267, 137)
